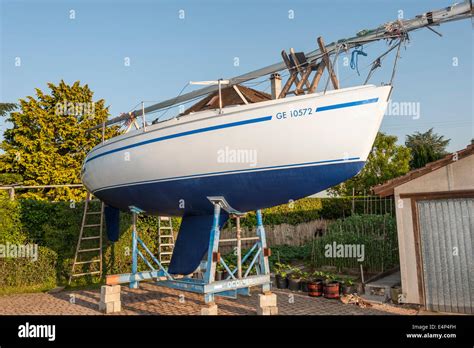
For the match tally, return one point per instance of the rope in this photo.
(358, 50)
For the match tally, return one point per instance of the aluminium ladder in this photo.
(165, 240)
(89, 245)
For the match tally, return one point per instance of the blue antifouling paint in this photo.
(112, 223)
(192, 242)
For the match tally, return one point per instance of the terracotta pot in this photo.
(315, 288)
(331, 290)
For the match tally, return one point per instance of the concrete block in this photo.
(209, 310)
(267, 300)
(110, 297)
(109, 289)
(273, 310)
(110, 307)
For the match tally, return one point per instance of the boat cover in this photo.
(192, 242)
(112, 223)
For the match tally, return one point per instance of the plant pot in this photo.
(331, 290)
(224, 274)
(294, 284)
(218, 275)
(315, 288)
(281, 282)
(394, 293)
(348, 289)
(304, 285)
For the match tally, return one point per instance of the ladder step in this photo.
(86, 273)
(165, 261)
(166, 253)
(166, 228)
(86, 250)
(84, 262)
(94, 200)
(166, 244)
(94, 213)
(93, 225)
(164, 218)
(92, 237)
(166, 236)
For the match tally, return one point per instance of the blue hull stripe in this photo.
(183, 134)
(230, 172)
(347, 105)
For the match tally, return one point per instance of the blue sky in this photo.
(166, 52)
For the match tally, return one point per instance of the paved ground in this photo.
(153, 300)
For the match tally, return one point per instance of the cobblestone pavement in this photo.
(154, 300)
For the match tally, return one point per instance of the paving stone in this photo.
(150, 299)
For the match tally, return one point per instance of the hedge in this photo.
(26, 275)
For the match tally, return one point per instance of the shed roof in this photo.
(388, 187)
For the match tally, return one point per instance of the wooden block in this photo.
(109, 289)
(110, 297)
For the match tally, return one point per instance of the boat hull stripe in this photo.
(231, 172)
(183, 134)
(347, 105)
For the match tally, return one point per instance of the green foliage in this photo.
(5, 108)
(10, 179)
(24, 274)
(48, 141)
(10, 224)
(387, 160)
(378, 234)
(426, 147)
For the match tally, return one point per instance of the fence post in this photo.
(11, 193)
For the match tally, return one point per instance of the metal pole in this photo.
(103, 132)
(264, 265)
(134, 284)
(239, 249)
(143, 115)
(220, 96)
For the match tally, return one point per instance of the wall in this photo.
(458, 175)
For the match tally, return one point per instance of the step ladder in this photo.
(165, 239)
(89, 244)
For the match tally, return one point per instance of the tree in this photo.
(5, 108)
(48, 141)
(426, 147)
(387, 160)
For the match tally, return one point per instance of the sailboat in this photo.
(254, 155)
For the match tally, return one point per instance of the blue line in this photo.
(230, 171)
(182, 134)
(346, 105)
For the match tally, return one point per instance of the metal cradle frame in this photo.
(237, 281)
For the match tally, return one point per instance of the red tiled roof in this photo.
(229, 97)
(387, 188)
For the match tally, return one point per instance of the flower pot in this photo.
(304, 285)
(331, 290)
(219, 275)
(315, 288)
(348, 289)
(294, 284)
(281, 282)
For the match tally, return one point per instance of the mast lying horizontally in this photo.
(389, 30)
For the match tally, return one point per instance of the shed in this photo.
(435, 226)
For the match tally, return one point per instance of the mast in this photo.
(390, 30)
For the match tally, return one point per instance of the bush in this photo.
(25, 274)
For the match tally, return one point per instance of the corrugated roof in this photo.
(229, 97)
(387, 188)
